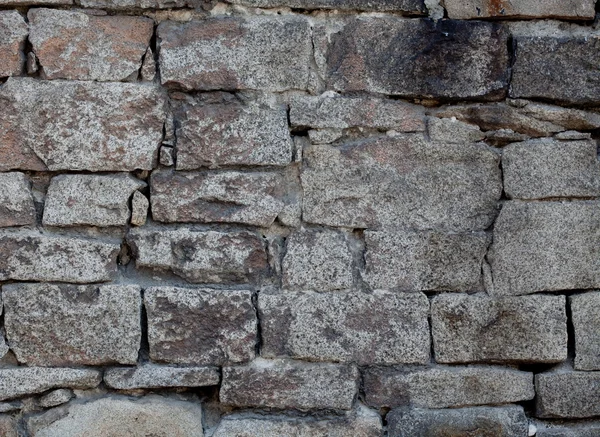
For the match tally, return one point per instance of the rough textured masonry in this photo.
(299, 218)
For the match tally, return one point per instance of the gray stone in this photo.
(153, 376)
(139, 209)
(412, 7)
(551, 429)
(546, 246)
(476, 421)
(200, 326)
(290, 385)
(402, 181)
(13, 36)
(8, 426)
(34, 2)
(479, 328)
(502, 137)
(201, 256)
(425, 261)
(20, 381)
(7, 407)
(56, 397)
(453, 131)
(148, 70)
(77, 325)
(95, 200)
(137, 4)
(167, 156)
(325, 136)
(585, 315)
(33, 256)
(16, 200)
(564, 9)
(447, 387)
(572, 135)
(32, 63)
(548, 168)
(269, 52)
(353, 327)
(570, 395)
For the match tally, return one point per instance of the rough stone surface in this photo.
(167, 156)
(56, 397)
(453, 131)
(148, 70)
(290, 384)
(352, 327)
(200, 326)
(153, 376)
(479, 328)
(585, 314)
(565, 9)
(270, 53)
(546, 246)
(412, 7)
(139, 209)
(8, 426)
(16, 201)
(137, 4)
(58, 125)
(568, 394)
(587, 429)
(201, 256)
(13, 36)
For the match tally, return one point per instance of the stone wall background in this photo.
(299, 218)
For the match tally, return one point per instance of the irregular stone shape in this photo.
(507, 421)
(453, 131)
(545, 168)
(137, 4)
(546, 246)
(567, 394)
(201, 256)
(269, 53)
(56, 397)
(167, 156)
(571, 135)
(324, 136)
(77, 325)
(8, 426)
(58, 125)
(7, 407)
(569, 9)
(16, 200)
(412, 7)
(402, 181)
(78, 46)
(152, 415)
(35, 2)
(585, 315)
(353, 327)
(231, 133)
(479, 328)
(139, 209)
(228, 197)
(344, 112)
(200, 326)
(317, 260)
(289, 385)
(428, 261)
(89, 200)
(414, 58)
(152, 376)
(13, 36)
(33, 256)
(444, 387)
(587, 429)
(20, 381)
(148, 70)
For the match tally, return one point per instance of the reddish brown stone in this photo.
(13, 35)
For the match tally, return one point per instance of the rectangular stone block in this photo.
(585, 315)
(13, 36)
(34, 2)
(269, 52)
(552, 429)
(562, 9)
(290, 385)
(353, 327)
(546, 246)
(138, 4)
(479, 328)
(569, 395)
(411, 7)
(200, 326)
(16, 200)
(153, 377)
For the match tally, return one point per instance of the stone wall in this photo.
(304, 218)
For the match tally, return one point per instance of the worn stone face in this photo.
(33, 256)
(137, 4)
(453, 131)
(401, 181)
(567, 394)
(290, 385)
(564, 9)
(8, 426)
(585, 315)
(200, 326)
(56, 397)
(152, 376)
(201, 256)
(13, 35)
(139, 209)
(546, 246)
(412, 7)
(16, 201)
(270, 53)
(377, 328)
(479, 328)
(551, 429)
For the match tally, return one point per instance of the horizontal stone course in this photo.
(412, 7)
(551, 429)
(565, 9)
(13, 36)
(567, 394)
(154, 376)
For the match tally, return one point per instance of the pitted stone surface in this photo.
(139, 209)
(412, 7)
(453, 131)
(8, 426)
(585, 314)
(56, 397)
(153, 376)
(566, 9)
(138, 4)
(551, 429)
(16, 201)
(13, 36)
(568, 394)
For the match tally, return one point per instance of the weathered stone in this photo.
(56, 397)
(20, 381)
(325, 136)
(200, 326)
(201, 256)
(428, 261)
(411, 7)
(138, 4)
(270, 53)
(353, 327)
(546, 246)
(16, 201)
(444, 387)
(551, 429)
(564, 9)
(568, 394)
(414, 58)
(546, 168)
(57, 125)
(225, 197)
(78, 46)
(32, 63)
(148, 70)
(152, 415)
(167, 156)
(8, 426)
(152, 376)
(7, 407)
(453, 131)
(585, 315)
(77, 325)
(4, 349)
(507, 421)
(34, 2)
(401, 181)
(572, 135)
(33, 256)
(568, 118)
(480, 328)
(290, 385)
(139, 209)
(13, 35)
(502, 137)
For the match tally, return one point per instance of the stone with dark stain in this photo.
(13, 36)
(560, 9)
(567, 395)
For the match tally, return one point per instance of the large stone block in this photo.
(16, 200)
(153, 376)
(571, 395)
(479, 328)
(585, 315)
(13, 36)
(353, 327)
(200, 326)
(412, 7)
(565, 9)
